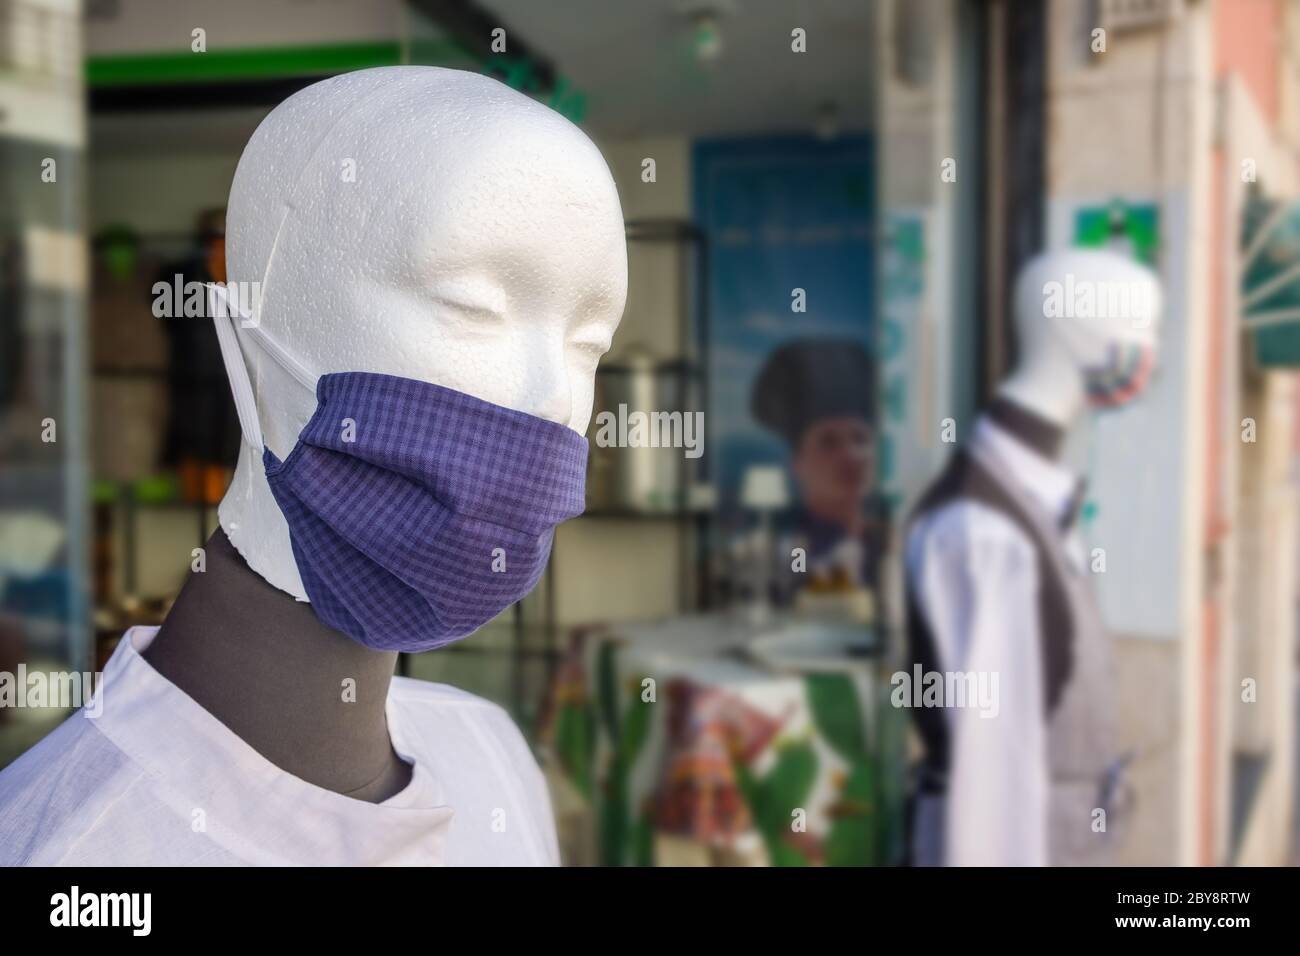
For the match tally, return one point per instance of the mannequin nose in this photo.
(558, 407)
(546, 387)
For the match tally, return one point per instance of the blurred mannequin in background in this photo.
(998, 587)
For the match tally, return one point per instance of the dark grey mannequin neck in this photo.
(264, 665)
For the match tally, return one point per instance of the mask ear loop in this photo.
(224, 313)
(240, 387)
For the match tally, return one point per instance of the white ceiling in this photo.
(633, 60)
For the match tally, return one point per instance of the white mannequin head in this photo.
(425, 223)
(1087, 321)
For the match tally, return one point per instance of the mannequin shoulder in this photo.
(51, 795)
(965, 531)
(487, 770)
(446, 717)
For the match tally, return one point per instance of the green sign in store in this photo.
(1131, 227)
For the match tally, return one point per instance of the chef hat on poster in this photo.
(807, 380)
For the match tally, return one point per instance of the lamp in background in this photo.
(763, 490)
(704, 30)
(705, 37)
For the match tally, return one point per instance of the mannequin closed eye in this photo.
(477, 300)
(594, 343)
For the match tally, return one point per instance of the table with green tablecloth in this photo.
(712, 739)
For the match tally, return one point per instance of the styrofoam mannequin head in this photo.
(427, 223)
(1076, 311)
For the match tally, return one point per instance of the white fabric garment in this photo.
(975, 577)
(157, 780)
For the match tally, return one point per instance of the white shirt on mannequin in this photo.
(975, 578)
(156, 780)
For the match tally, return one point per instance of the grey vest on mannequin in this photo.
(1078, 671)
(264, 665)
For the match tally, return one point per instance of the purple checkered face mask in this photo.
(416, 513)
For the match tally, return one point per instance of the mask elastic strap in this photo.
(224, 314)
